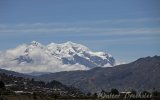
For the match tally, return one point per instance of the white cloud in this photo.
(86, 31)
(81, 23)
(52, 65)
(42, 61)
(45, 68)
(120, 63)
(84, 27)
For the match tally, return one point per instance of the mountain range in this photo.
(35, 57)
(142, 74)
(76, 65)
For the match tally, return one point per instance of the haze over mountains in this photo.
(35, 57)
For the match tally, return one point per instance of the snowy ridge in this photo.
(35, 57)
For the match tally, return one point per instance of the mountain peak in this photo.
(70, 42)
(68, 46)
(54, 57)
(35, 43)
(148, 59)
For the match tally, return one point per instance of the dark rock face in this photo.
(142, 74)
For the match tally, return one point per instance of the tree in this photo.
(95, 95)
(34, 95)
(32, 79)
(103, 92)
(145, 93)
(55, 97)
(2, 86)
(114, 91)
(89, 94)
(133, 92)
(155, 93)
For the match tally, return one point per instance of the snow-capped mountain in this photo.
(35, 57)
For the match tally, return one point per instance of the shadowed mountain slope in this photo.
(142, 74)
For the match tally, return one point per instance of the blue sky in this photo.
(127, 29)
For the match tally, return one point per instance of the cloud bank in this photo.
(42, 62)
